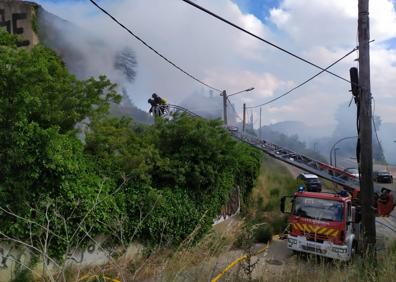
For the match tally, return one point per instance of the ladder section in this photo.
(300, 161)
(323, 170)
(169, 110)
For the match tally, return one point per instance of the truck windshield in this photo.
(312, 180)
(319, 209)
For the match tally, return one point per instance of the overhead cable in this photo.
(305, 82)
(152, 49)
(262, 39)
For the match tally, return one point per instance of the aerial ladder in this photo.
(333, 174)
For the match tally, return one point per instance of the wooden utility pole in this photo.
(365, 132)
(244, 118)
(260, 125)
(224, 94)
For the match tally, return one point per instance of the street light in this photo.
(246, 90)
(225, 97)
(335, 156)
(338, 141)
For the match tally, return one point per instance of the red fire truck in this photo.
(327, 224)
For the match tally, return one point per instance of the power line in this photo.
(152, 49)
(305, 82)
(262, 39)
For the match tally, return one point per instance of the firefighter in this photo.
(158, 100)
(153, 105)
(160, 104)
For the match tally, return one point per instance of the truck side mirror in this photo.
(352, 217)
(282, 204)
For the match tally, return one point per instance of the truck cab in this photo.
(322, 224)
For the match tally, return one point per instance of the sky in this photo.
(320, 31)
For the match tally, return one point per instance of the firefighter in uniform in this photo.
(158, 105)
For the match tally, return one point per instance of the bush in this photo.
(274, 192)
(279, 224)
(263, 233)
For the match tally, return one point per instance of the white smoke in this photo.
(231, 60)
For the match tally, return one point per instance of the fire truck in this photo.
(327, 224)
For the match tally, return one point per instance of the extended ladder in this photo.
(323, 170)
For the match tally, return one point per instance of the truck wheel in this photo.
(299, 255)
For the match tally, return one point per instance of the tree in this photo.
(36, 86)
(180, 172)
(44, 172)
(125, 61)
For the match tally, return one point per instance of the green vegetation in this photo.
(155, 184)
(274, 181)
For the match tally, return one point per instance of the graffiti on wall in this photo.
(12, 25)
(10, 257)
(94, 254)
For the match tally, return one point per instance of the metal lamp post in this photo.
(225, 97)
(335, 144)
(335, 156)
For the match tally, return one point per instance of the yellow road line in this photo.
(235, 262)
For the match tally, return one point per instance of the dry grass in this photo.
(189, 262)
(275, 181)
(311, 269)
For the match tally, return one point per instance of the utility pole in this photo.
(365, 132)
(224, 94)
(244, 117)
(260, 125)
